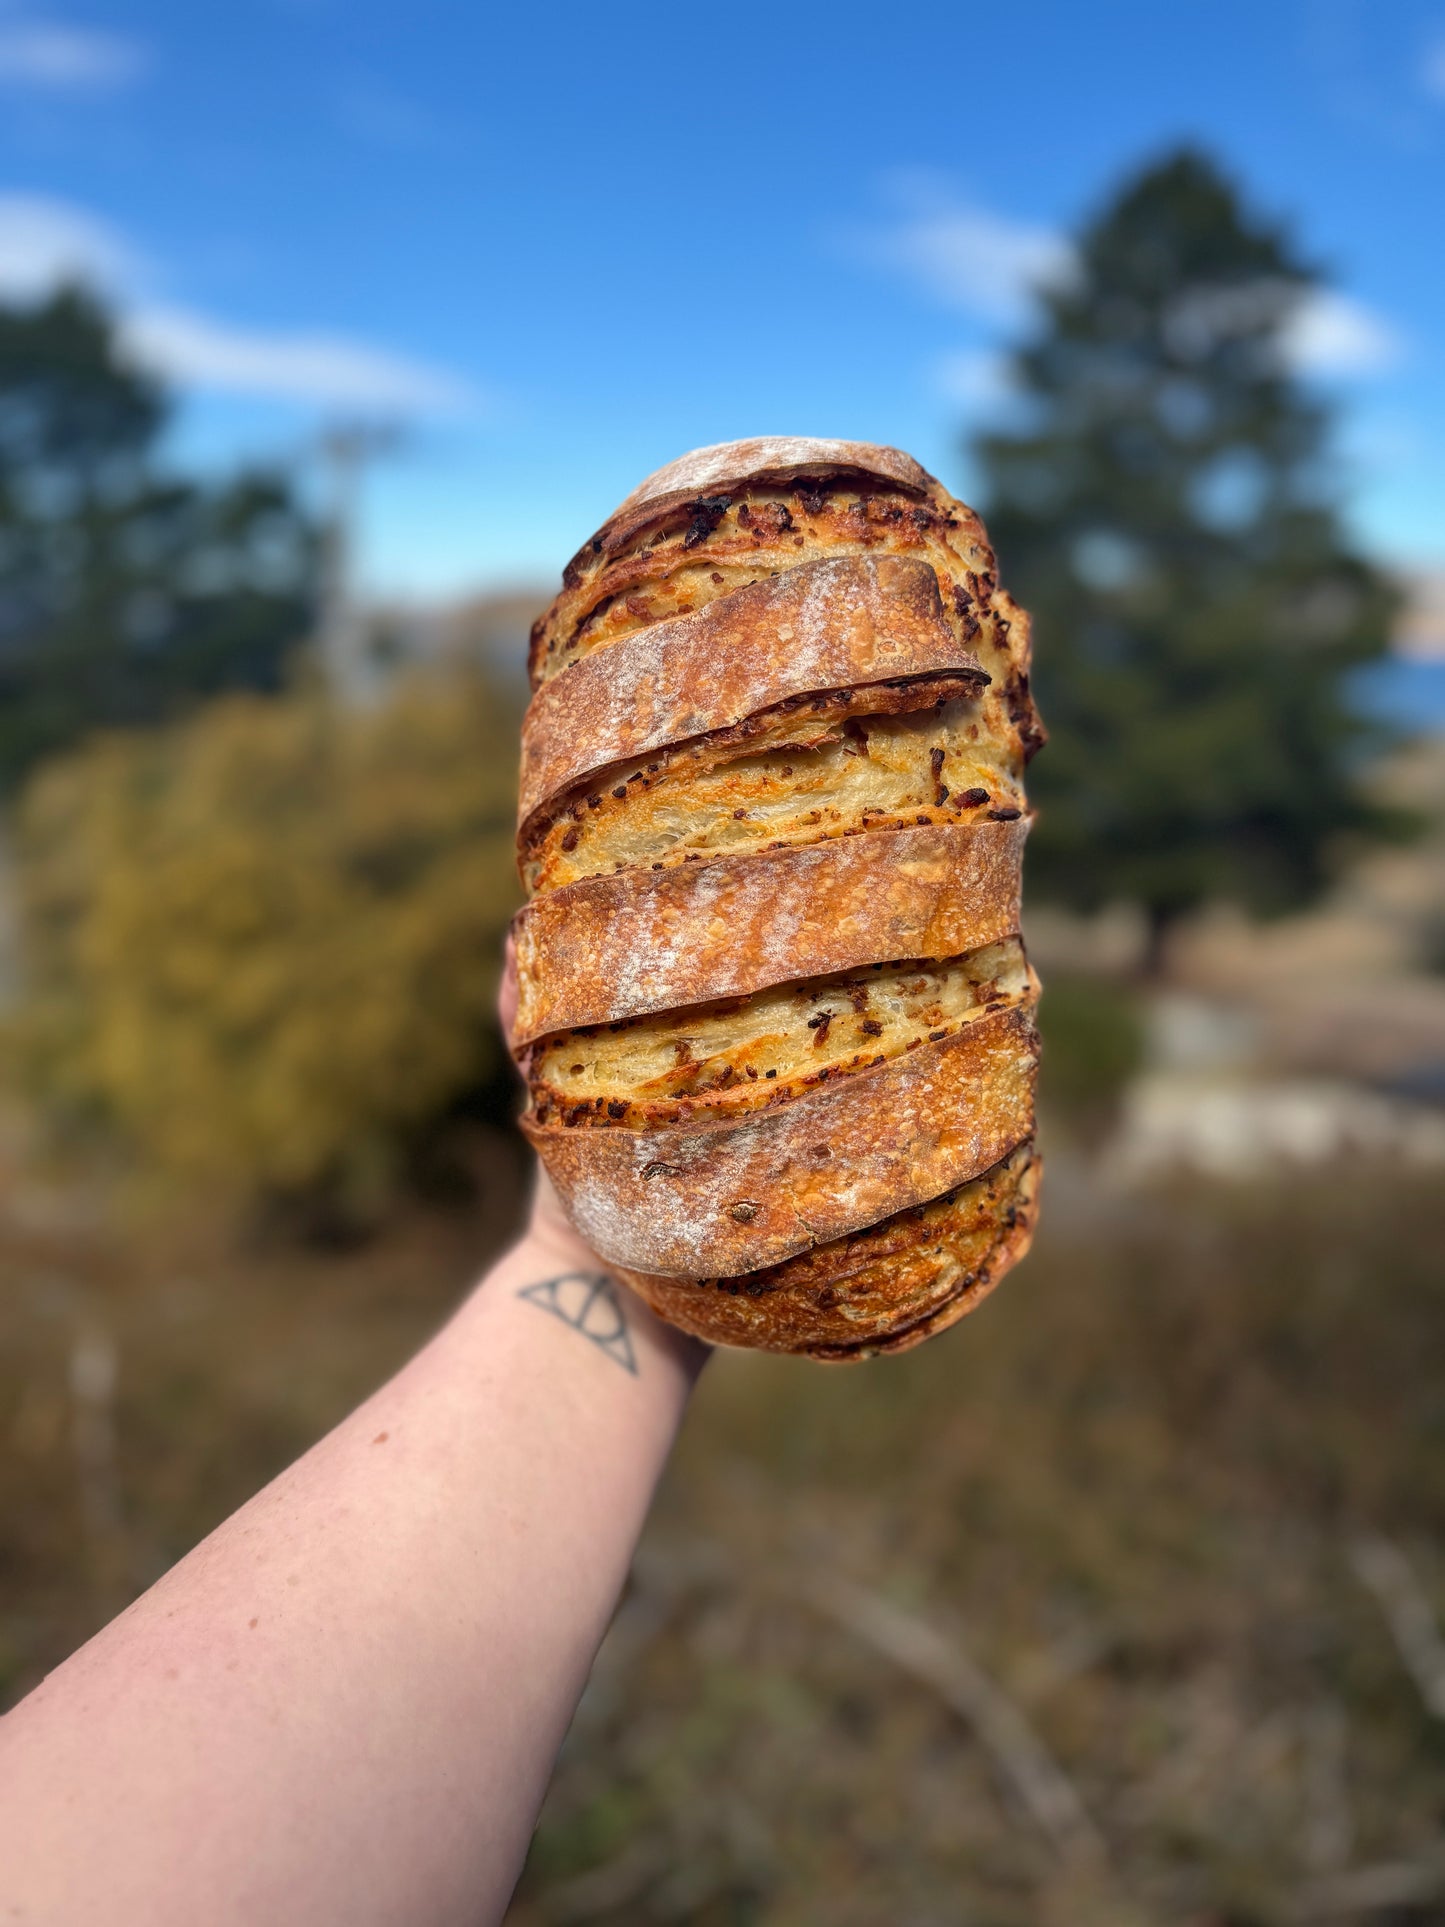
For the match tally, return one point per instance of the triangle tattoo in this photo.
(590, 1303)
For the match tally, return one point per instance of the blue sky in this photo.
(562, 245)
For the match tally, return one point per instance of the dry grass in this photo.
(1066, 1618)
(1117, 1510)
(227, 1363)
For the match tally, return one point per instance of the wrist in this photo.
(547, 1268)
(549, 1248)
(549, 1275)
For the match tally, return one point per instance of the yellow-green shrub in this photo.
(264, 944)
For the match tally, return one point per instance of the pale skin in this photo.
(345, 1704)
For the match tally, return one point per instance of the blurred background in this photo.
(327, 333)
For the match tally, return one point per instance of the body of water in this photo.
(1407, 691)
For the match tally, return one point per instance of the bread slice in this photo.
(671, 554)
(759, 1052)
(771, 995)
(750, 765)
(726, 670)
(726, 1190)
(882, 1289)
(684, 493)
(611, 947)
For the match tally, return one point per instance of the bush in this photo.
(1093, 1037)
(263, 945)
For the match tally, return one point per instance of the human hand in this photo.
(548, 1226)
(547, 1222)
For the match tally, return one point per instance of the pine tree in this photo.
(126, 594)
(1167, 513)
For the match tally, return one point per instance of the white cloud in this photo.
(974, 378)
(987, 265)
(49, 55)
(961, 253)
(45, 242)
(1333, 334)
(198, 352)
(1311, 331)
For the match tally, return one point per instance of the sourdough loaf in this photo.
(774, 1014)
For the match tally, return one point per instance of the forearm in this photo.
(345, 1704)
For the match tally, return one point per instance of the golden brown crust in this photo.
(754, 532)
(761, 461)
(742, 1054)
(772, 1000)
(824, 626)
(610, 948)
(757, 534)
(720, 1198)
(774, 458)
(882, 1289)
(820, 772)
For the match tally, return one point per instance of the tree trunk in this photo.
(1160, 920)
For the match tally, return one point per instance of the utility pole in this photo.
(345, 450)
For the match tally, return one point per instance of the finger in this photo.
(507, 989)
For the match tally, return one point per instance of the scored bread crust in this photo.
(613, 947)
(728, 1197)
(758, 1053)
(749, 533)
(834, 764)
(882, 1289)
(823, 626)
(731, 821)
(763, 460)
(755, 524)
(754, 533)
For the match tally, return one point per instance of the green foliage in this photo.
(1166, 513)
(125, 595)
(264, 943)
(1093, 1042)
